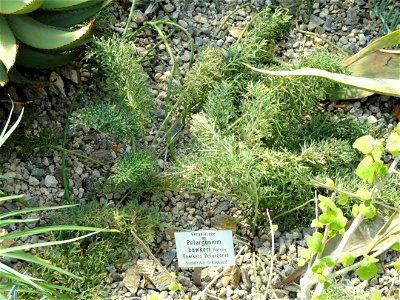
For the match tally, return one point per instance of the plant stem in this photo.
(271, 266)
(128, 22)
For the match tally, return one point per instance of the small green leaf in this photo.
(397, 264)
(368, 211)
(329, 182)
(316, 224)
(393, 143)
(367, 272)
(338, 223)
(364, 144)
(380, 169)
(355, 210)
(347, 259)
(343, 199)
(314, 242)
(321, 278)
(320, 297)
(174, 286)
(396, 246)
(377, 152)
(376, 295)
(363, 194)
(398, 129)
(365, 169)
(326, 218)
(301, 262)
(306, 253)
(329, 262)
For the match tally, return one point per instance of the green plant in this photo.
(371, 70)
(89, 258)
(36, 34)
(344, 241)
(386, 12)
(12, 280)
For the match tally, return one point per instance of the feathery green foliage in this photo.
(123, 107)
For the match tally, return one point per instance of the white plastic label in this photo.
(206, 248)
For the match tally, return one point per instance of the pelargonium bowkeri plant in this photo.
(37, 34)
(374, 230)
(12, 280)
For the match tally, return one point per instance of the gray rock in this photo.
(372, 120)
(314, 22)
(33, 181)
(50, 181)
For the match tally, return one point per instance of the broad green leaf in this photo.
(380, 169)
(174, 286)
(396, 246)
(365, 169)
(389, 40)
(67, 18)
(376, 295)
(8, 44)
(316, 224)
(32, 58)
(342, 200)
(379, 64)
(363, 194)
(19, 6)
(314, 242)
(326, 218)
(367, 272)
(338, 223)
(364, 144)
(41, 36)
(377, 152)
(347, 259)
(68, 4)
(382, 86)
(343, 92)
(306, 253)
(393, 143)
(355, 210)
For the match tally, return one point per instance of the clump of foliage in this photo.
(123, 104)
(89, 258)
(260, 140)
(372, 232)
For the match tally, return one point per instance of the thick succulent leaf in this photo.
(41, 36)
(389, 40)
(8, 44)
(343, 92)
(379, 64)
(68, 4)
(66, 18)
(15, 76)
(32, 58)
(19, 6)
(389, 87)
(3, 75)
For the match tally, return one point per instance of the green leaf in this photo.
(398, 129)
(3, 75)
(363, 194)
(364, 144)
(347, 259)
(367, 272)
(8, 44)
(41, 36)
(306, 253)
(19, 6)
(174, 286)
(365, 169)
(380, 169)
(396, 246)
(389, 87)
(377, 152)
(326, 218)
(376, 295)
(338, 223)
(314, 242)
(355, 210)
(343, 199)
(68, 4)
(393, 143)
(329, 182)
(389, 40)
(397, 264)
(368, 211)
(329, 262)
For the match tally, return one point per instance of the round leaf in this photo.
(396, 246)
(397, 264)
(329, 262)
(365, 169)
(343, 199)
(364, 144)
(367, 272)
(347, 259)
(363, 194)
(393, 143)
(314, 242)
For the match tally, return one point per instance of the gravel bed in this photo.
(347, 24)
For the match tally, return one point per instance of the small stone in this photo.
(161, 280)
(102, 155)
(314, 22)
(132, 279)
(50, 181)
(372, 120)
(231, 277)
(33, 181)
(146, 267)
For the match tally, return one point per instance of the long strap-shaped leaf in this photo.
(68, 4)
(389, 87)
(19, 6)
(33, 209)
(41, 36)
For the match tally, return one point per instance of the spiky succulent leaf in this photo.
(67, 18)
(8, 45)
(32, 58)
(19, 6)
(67, 4)
(41, 36)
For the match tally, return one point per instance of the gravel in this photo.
(348, 24)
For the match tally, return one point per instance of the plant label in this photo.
(205, 248)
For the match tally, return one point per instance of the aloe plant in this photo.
(37, 34)
(11, 280)
(372, 70)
